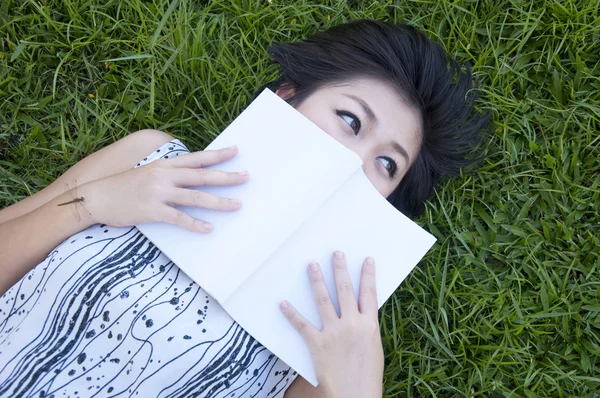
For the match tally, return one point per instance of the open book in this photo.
(307, 196)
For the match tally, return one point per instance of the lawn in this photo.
(508, 301)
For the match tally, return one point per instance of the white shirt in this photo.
(107, 314)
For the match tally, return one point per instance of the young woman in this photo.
(92, 308)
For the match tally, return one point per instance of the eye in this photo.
(351, 120)
(389, 165)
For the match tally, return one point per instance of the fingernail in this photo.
(370, 261)
(284, 305)
(339, 254)
(314, 266)
(208, 226)
(243, 173)
(235, 201)
(233, 148)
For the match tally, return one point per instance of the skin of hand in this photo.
(347, 351)
(150, 192)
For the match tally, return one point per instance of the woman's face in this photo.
(371, 119)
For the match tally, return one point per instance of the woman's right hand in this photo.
(150, 192)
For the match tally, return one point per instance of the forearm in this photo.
(301, 388)
(25, 241)
(116, 158)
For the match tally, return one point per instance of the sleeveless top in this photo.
(106, 314)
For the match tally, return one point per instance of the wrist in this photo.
(70, 210)
(26, 240)
(367, 389)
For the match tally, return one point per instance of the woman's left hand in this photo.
(347, 352)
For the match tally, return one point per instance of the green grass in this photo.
(508, 302)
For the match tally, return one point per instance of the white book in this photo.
(307, 196)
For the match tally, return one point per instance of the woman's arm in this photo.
(301, 388)
(26, 240)
(112, 159)
(347, 351)
(31, 228)
(134, 196)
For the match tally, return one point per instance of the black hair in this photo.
(426, 77)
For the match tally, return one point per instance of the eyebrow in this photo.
(400, 149)
(365, 106)
(371, 115)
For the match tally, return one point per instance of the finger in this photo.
(188, 177)
(301, 324)
(345, 291)
(204, 158)
(367, 296)
(191, 197)
(321, 293)
(184, 220)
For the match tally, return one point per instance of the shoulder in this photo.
(148, 138)
(130, 149)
